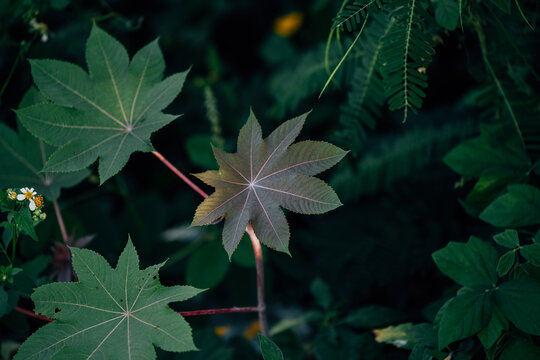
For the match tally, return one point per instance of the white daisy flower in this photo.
(28, 194)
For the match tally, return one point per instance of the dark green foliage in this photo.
(405, 56)
(353, 14)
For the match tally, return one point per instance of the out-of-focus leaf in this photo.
(207, 266)
(373, 316)
(199, 151)
(522, 349)
(447, 13)
(407, 335)
(321, 291)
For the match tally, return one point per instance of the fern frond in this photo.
(397, 157)
(353, 15)
(405, 55)
(366, 95)
(305, 78)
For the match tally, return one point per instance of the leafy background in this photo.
(400, 201)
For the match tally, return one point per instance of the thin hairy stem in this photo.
(183, 313)
(220, 311)
(179, 174)
(61, 224)
(260, 279)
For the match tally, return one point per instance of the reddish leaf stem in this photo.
(60, 221)
(261, 307)
(259, 264)
(220, 311)
(179, 174)
(183, 313)
(30, 313)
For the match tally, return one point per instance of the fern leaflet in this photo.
(353, 15)
(405, 55)
(366, 95)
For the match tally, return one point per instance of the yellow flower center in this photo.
(38, 201)
(28, 195)
(12, 195)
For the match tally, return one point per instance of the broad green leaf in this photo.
(520, 206)
(464, 316)
(270, 351)
(505, 263)
(21, 158)
(508, 238)
(447, 13)
(495, 152)
(407, 335)
(522, 349)
(110, 313)
(207, 266)
(373, 316)
(109, 112)
(531, 253)
(263, 175)
(472, 264)
(498, 323)
(518, 299)
(321, 291)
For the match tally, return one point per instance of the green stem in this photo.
(483, 48)
(344, 56)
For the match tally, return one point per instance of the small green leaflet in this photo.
(270, 351)
(109, 112)
(110, 313)
(21, 158)
(263, 175)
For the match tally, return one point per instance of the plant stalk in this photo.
(260, 279)
(60, 219)
(183, 313)
(257, 250)
(179, 174)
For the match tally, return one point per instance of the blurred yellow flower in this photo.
(252, 330)
(221, 331)
(288, 24)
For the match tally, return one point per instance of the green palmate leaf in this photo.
(518, 299)
(263, 175)
(531, 253)
(489, 335)
(110, 313)
(109, 112)
(21, 158)
(508, 238)
(472, 264)
(464, 316)
(520, 206)
(270, 351)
